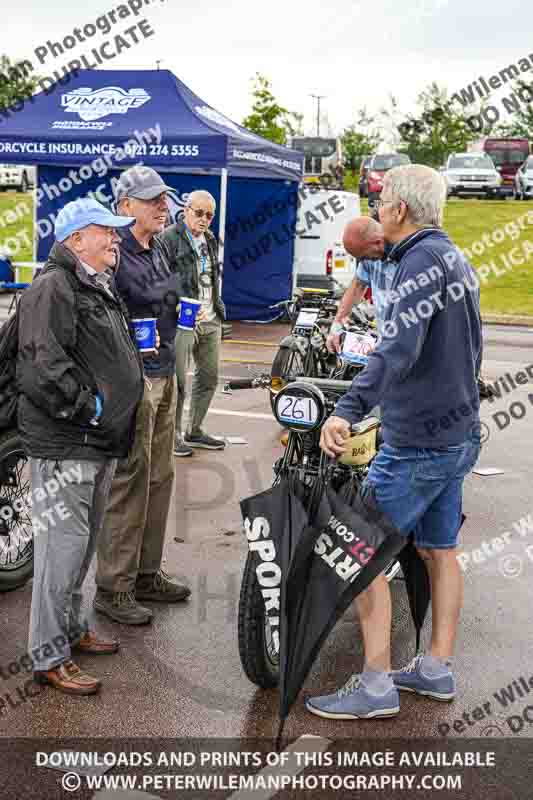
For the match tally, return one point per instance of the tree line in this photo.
(437, 127)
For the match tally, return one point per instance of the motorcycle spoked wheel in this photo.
(257, 651)
(16, 538)
(286, 364)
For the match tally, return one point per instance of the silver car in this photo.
(523, 180)
(17, 176)
(472, 174)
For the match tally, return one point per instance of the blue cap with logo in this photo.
(86, 211)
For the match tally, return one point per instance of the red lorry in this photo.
(507, 155)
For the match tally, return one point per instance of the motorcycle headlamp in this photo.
(300, 407)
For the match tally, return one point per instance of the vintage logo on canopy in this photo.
(94, 104)
(224, 122)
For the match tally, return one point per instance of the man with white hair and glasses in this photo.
(194, 257)
(423, 375)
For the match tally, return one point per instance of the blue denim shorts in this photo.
(421, 490)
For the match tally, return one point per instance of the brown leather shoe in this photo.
(68, 678)
(90, 643)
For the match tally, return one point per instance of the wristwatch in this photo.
(336, 327)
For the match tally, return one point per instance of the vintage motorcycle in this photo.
(301, 406)
(303, 351)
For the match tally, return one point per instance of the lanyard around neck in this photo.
(203, 258)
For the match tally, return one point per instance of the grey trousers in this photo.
(68, 505)
(204, 348)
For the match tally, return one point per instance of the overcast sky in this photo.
(356, 53)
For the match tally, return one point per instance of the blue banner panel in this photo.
(58, 186)
(259, 249)
(260, 221)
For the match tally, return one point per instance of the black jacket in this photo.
(74, 342)
(150, 288)
(184, 261)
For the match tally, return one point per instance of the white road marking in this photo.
(249, 414)
(293, 766)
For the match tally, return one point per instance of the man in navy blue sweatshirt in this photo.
(423, 375)
(131, 542)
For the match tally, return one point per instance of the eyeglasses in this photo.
(380, 203)
(200, 213)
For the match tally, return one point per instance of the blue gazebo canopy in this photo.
(97, 111)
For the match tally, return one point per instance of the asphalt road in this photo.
(181, 676)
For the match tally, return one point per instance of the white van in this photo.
(318, 250)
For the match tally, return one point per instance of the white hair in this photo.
(201, 195)
(422, 189)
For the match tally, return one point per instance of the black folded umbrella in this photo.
(273, 523)
(320, 565)
(416, 584)
(333, 561)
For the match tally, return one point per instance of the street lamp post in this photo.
(318, 98)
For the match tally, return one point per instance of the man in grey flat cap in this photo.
(131, 543)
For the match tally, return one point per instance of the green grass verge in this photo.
(16, 225)
(497, 230)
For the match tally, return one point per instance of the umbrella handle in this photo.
(319, 486)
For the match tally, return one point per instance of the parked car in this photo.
(378, 166)
(523, 181)
(363, 173)
(17, 176)
(318, 249)
(469, 174)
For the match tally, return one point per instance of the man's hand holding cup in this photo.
(201, 316)
(189, 312)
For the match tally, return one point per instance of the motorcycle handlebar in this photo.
(240, 383)
(326, 383)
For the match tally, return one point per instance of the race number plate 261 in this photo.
(298, 410)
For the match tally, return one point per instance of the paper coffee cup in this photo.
(187, 312)
(145, 334)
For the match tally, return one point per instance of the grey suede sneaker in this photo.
(161, 588)
(181, 449)
(354, 701)
(121, 607)
(204, 441)
(412, 678)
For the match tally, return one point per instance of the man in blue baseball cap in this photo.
(80, 380)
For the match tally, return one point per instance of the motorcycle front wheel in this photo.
(287, 363)
(257, 649)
